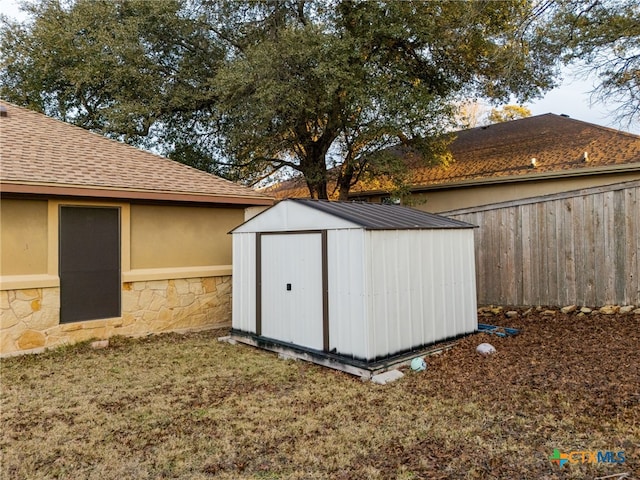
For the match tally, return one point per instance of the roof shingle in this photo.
(38, 152)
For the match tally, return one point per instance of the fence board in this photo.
(579, 255)
(620, 249)
(632, 231)
(569, 251)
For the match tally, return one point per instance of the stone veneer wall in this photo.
(29, 320)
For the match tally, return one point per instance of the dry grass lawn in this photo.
(187, 406)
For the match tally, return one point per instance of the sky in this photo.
(572, 97)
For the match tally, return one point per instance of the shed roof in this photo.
(42, 155)
(378, 216)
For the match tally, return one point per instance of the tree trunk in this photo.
(344, 181)
(314, 169)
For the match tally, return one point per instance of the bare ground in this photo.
(188, 406)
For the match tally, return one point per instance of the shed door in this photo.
(292, 279)
(89, 263)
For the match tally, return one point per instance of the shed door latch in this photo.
(288, 287)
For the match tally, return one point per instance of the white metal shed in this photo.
(355, 283)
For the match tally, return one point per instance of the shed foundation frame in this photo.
(360, 368)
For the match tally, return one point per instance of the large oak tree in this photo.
(249, 88)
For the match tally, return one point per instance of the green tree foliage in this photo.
(508, 113)
(336, 87)
(125, 69)
(604, 37)
(266, 85)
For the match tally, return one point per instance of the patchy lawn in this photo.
(187, 406)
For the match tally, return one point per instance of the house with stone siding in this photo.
(99, 238)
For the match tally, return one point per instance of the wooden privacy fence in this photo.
(580, 247)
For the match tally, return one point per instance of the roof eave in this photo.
(630, 167)
(126, 194)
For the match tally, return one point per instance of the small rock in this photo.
(636, 311)
(569, 309)
(586, 310)
(387, 377)
(527, 312)
(548, 313)
(99, 344)
(627, 309)
(485, 349)
(512, 314)
(609, 309)
(581, 314)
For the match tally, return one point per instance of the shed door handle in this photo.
(288, 287)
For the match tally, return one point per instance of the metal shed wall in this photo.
(348, 323)
(434, 300)
(243, 316)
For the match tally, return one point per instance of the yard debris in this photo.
(497, 330)
(227, 339)
(485, 349)
(615, 475)
(586, 310)
(569, 309)
(99, 344)
(548, 313)
(387, 377)
(512, 314)
(418, 364)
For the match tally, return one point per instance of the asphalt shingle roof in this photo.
(38, 152)
(557, 143)
(378, 216)
(502, 150)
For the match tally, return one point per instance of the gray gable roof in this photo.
(378, 216)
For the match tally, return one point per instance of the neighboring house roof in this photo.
(378, 216)
(41, 155)
(503, 152)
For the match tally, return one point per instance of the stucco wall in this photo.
(436, 201)
(174, 236)
(176, 272)
(23, 237)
